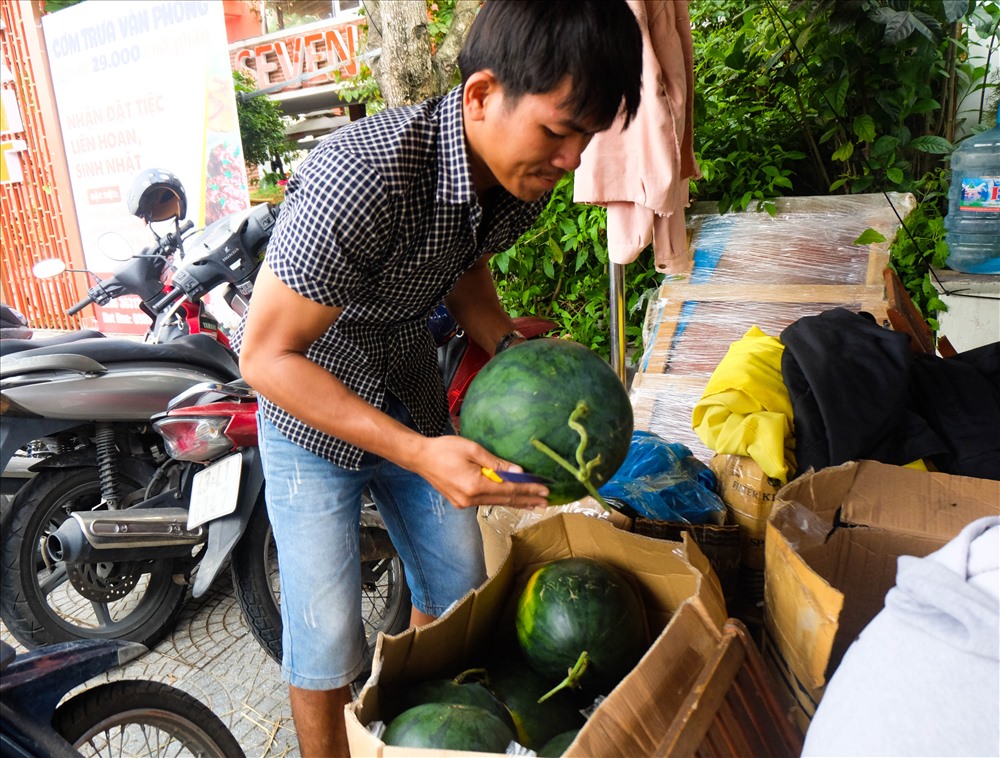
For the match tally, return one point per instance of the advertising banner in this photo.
(143, 84)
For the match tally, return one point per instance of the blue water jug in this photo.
(973, 221)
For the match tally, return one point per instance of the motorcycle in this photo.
(13, 324)
(211, 431)
(83, 408)
(125, 717)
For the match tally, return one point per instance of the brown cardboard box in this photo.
(683, 600)
(832, 543)
(498, 522)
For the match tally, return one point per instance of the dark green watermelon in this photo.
(449, 726)
(457, 690)
(530, 392)
(519, 688)
(558, 744)
(575, 606)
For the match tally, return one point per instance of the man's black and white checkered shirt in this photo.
(381, 219)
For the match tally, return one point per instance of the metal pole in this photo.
(616, 279)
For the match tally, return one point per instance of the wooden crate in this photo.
(731, 708)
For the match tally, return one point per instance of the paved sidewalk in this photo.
(212, 655)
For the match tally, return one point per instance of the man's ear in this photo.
(478, 87)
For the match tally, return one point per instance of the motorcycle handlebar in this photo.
(164, 246)
(80, 306)
(174, 295)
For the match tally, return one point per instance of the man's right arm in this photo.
(281, 326)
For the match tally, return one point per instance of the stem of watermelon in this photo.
(572, 676)
(461, 678)
(581, 472)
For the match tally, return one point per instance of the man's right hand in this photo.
(454, 467)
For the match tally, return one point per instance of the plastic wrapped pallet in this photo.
(754, 269)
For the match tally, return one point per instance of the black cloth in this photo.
(858, 392)
(959, 397)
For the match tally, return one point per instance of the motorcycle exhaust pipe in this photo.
(133, 534)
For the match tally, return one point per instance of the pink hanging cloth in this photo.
(641, 175)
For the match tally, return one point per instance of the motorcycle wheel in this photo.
(44, 602)
(135, 717)
(385, 596)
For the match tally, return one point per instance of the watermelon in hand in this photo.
(556, 409)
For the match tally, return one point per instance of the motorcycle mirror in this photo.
(114, 246)
(48, 268)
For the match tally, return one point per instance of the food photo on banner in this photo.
(143, 84)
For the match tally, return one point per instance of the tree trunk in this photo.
(446, 56)
(404, 69)
(408, 69)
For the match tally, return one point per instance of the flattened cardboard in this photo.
(684, 608)
(833, 540)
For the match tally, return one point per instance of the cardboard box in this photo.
(498, 522)
(684, 608)
(832, 543)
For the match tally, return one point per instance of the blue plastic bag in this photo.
(663, 480)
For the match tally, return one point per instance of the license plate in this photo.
(215, 490)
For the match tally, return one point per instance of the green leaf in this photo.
(555, 251)
(869, 236)
(839, 95)
(925, 105)
(955, 9)
(502, 261)
(932, 144)
(884, 145)
(864, 127)
(898, 26)
(844, 152)
(894, 175)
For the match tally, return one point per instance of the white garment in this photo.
(923, 678)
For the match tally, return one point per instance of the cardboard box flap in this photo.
(907, 501)
(824, 490)
(657, 687)
(441, 647)
(637, 555)
(803, 608)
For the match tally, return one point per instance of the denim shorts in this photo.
(315, 509)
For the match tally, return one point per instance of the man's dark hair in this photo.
(531, 45)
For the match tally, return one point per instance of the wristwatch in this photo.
(507, 340)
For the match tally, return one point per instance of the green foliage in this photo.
(921, 244)
(829, 95)
(439, 16)
(363, 88)
(559, 270)
(51, 6)
(808, 97)
(262, 127)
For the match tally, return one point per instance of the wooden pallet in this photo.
(750, 269)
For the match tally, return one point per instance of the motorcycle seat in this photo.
(198, 350)
(9, 347)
